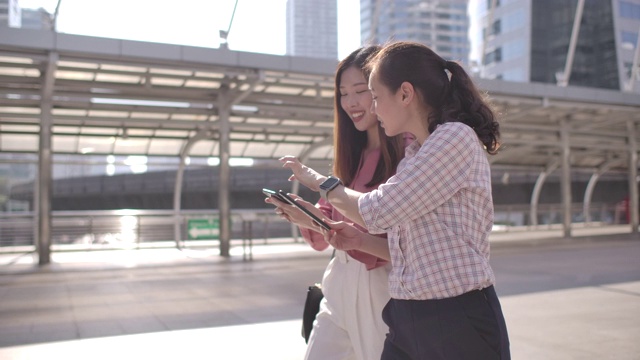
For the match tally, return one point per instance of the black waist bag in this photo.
(311, 308)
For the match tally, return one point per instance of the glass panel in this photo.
(92, 144)
(76, 64)
(20, 128)
(124, 68)
(259, 149)
(131, 146)
(166, 81)
(99, 131)
(64, 143)
(18, 142)
(74, 75)
(128, 79)
(283, 90)
(289, 149)
(202, 84)
(202, 148)
(19, 72)
(172, 133)
(165, 147)
(108, 114)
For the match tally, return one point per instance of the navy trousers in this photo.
(470, 326)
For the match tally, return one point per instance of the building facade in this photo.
(36, 19)
(443, 25)
(10, 13)
(312, 28)
(529, 41)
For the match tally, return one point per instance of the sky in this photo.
(258, 25)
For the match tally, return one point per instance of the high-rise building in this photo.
(530, 41)
(10, 13)
(443, 25)
(36, 19)
(312, 28)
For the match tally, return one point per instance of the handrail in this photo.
(131, 227)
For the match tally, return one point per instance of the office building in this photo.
(36, 19)
(442, 25)
(10, 14)
(312, 28)
(530, 41)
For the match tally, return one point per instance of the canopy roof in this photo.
(124, 97)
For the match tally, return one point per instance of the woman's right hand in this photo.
(343, 236)
(304, 174)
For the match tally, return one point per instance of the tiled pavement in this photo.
(563, 299)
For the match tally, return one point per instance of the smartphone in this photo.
(313, 217)
(275, 194)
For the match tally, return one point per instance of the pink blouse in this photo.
(364, 175)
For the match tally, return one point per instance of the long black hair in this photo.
(349, 143)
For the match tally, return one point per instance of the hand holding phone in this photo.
(306, 211)
(274, 194)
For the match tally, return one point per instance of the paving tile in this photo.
(208, 308)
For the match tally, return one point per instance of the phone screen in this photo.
(273, 193)
(313, 217)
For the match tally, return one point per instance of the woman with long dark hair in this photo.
(349, 324)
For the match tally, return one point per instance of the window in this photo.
(489, 4)
(629, 10)
(495, 29)
(493, 56)
(627, 68)
(629, 39)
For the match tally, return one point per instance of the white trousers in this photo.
(349, 324)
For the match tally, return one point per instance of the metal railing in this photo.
(124, 228)
(549, 215)
(102, 229)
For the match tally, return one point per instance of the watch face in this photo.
(330, 183)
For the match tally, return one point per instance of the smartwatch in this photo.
(331, 183)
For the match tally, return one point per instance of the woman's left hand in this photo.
(304, 174)
(294, 215)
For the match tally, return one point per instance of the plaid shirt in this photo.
(438, 212)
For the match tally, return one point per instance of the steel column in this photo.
(633, 177)
(43, 184)
(568, 66)
(565, 177)
(177, 190)
(537, 188)
(224, 188)
(591, 185)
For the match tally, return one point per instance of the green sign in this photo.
(198, 229)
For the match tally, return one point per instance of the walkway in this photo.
(563, 299)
